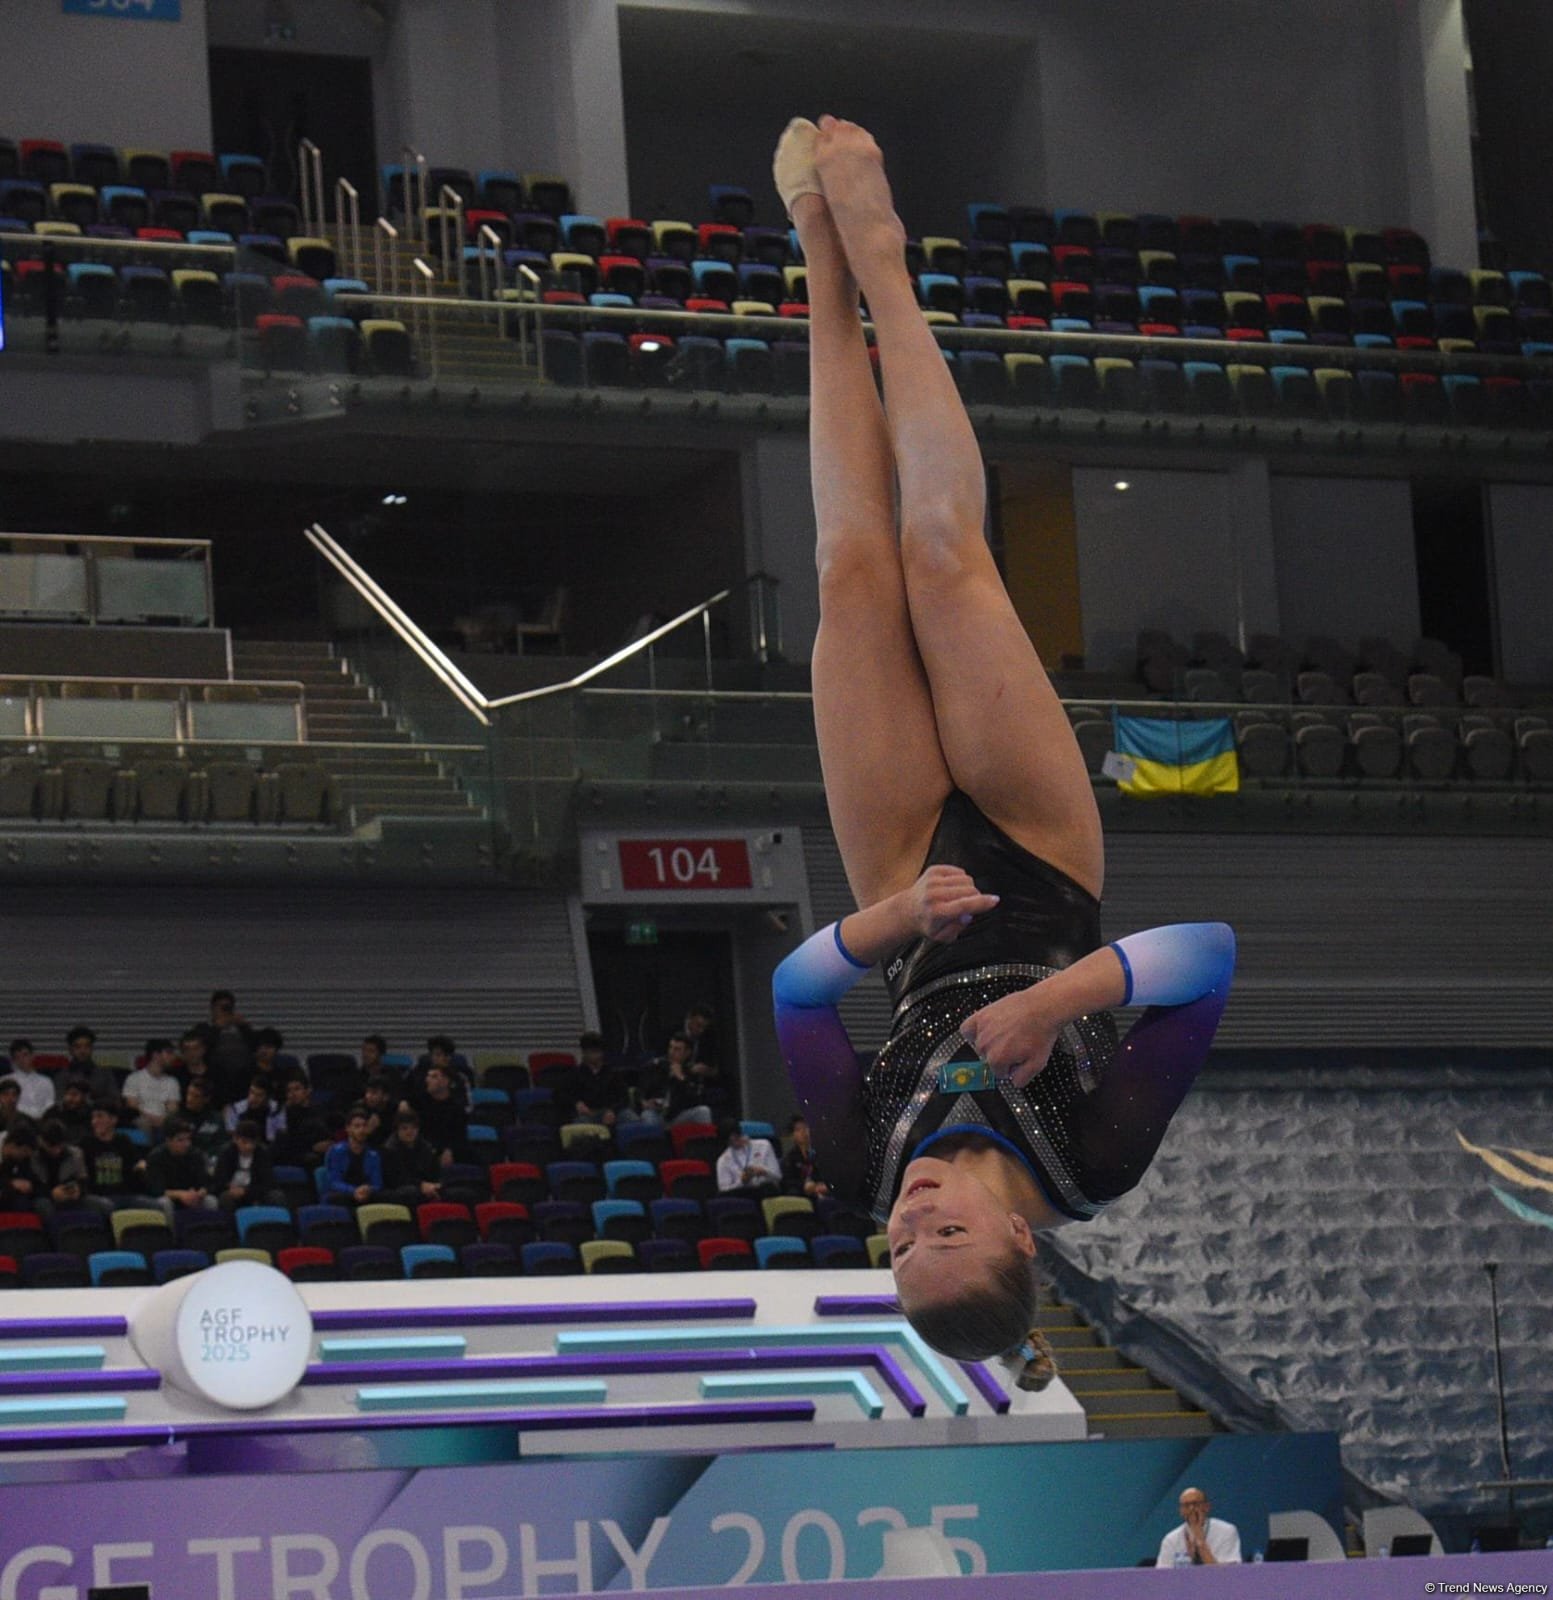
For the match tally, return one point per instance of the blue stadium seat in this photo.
(621, 1219)
(782, 1250)
(118, 1269)
(548, 1259)
(429, 1261)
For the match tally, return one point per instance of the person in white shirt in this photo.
(748, 1166)
(1201, 1540)
(37, 1088)
(153, 1092)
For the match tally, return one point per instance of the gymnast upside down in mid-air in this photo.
(1002, 1102)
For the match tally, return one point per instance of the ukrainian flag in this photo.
(1169, 757)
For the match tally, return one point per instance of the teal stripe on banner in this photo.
(1176, 744)
(127, 10)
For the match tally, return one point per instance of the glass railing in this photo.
(83, 295)
(54, 578)
(507, 334)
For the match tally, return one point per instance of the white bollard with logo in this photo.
(237, 1334)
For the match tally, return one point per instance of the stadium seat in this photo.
(388, 348)
(782, 1250)
(550, 1259)
(490, 1261)
(666, 1255)
(503, 1222)
(366, 1263)
(47, 1269)
(307, 1264)
(838, 1251)
(677, 1218)
(429, 1261)
(725, 1255)
(118, 1269)
(569, 1221)
(733, 1216)
(608, 1256)
(792, 1214)
(621, 1219)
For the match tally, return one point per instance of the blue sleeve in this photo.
(1173, 965)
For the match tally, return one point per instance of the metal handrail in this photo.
(427, 278)
(414, 208)
(699, 612)
(178, 695)
(431, 654)
(347, 217)
(385, 236)
(442, 666)
(310, 186)
(450, 229)
(108, 538)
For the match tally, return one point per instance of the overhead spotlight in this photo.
(647, 346)
(396, 499)
(1121, 485)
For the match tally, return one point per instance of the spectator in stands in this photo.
(36, 1089)
(299, 1134)
(231, 1043)
(444, 1122)
(177, 1178)
(373, 1048)
(701, 1029)
(1201, 1540)
(113, 1165)
(595, 1090)
(10, 1100)
(194, 1060)
(267, 1068)
(442, 1052)
(152, 1093)
(59, 1169)
(211, 1136)
(254, 1106)
(100, 1082)
(19, 1187)
(355, 1169)
(670, 1093)
(74, 1111)
(379, 1099)
(244, 1174)
(800, 1170)
(748, 1166)
(412, 1170)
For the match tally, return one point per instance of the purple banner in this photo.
(665, 1522)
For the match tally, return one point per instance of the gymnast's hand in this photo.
(1014, 1035)
(942, 902)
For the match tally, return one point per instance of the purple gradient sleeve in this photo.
(827, 1082)
(1122, 1123)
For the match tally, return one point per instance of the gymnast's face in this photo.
(949, 1233)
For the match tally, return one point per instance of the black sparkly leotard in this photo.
(1088, 1123)
(1044, 922)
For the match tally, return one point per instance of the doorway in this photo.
(263, 102)
(644, 989)
(1450, 541)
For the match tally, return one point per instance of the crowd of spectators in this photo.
(206, 1123)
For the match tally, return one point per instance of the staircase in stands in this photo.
(1122, 1401)
(470, 345)
(388, 774)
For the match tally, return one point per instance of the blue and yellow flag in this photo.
(1161, 756)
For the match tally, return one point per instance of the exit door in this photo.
(644, 990)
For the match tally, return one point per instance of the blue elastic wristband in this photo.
(1121, 955)
(862, 966)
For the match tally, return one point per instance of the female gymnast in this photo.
(1002, 1103)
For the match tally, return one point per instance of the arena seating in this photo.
(1289, 294)
(499, 1215)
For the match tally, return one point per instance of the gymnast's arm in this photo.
(1182, 972)
(806, 988)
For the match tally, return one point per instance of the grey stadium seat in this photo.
(1261, 687)
(231, 788)
(28, 788)
(1317, 688)
(162, 789)
(1206, 683)
(1377, 745)
(1095, 740)
(306, 793)
(1318, 746)
(1376, 689)
(1425, 689)
(1431, 748)
(88, 786)
(1534, 739)
(1489, 751)
(1263, 744)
